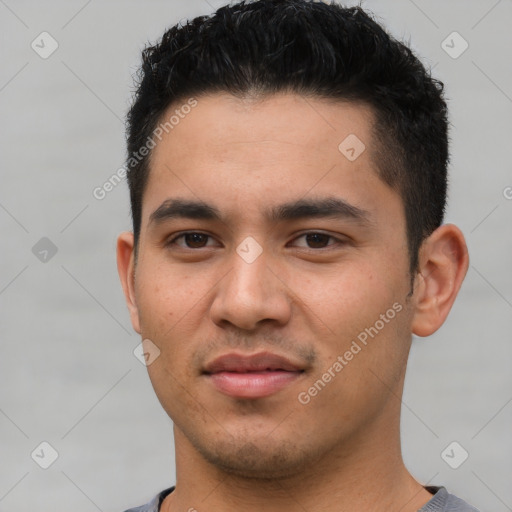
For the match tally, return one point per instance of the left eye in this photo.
(315, 240)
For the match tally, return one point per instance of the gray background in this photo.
(67, 369)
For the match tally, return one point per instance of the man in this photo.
(287, 171)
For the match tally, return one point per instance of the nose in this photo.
(251, 294)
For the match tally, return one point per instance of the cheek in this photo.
(358, 311)
(172, 307)
(345, 298)
(165, 296)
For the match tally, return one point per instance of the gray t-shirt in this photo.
(440, 502)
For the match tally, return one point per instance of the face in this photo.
(272, 275)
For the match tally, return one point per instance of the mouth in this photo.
(252, 376)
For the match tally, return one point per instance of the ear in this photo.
(443, 263)
(126, 269)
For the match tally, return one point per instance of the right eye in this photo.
(192, 240)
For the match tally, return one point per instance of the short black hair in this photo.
(263, 47)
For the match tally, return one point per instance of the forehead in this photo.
(249, 153)
(223, 121)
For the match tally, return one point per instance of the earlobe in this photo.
(126, 270)
(444, 262)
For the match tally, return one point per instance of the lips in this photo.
(251, 363)
(252, 376)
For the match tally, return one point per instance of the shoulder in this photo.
(154, 504)
(454, 504)
(442, 501)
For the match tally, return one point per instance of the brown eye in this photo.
(195, 240)
(317, 240)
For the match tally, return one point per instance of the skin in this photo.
(341, 451)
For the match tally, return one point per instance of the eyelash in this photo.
(337, 241)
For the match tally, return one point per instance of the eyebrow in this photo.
(294, 210)
(316, 208)
(182, 208)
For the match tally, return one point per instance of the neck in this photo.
(365, 473)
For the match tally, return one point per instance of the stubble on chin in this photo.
(262, 460)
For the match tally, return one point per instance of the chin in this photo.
(261, 460)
